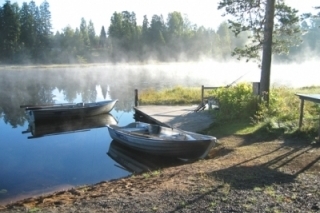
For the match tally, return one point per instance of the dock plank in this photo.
(181, 117)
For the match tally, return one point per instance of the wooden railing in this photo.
(202, 91)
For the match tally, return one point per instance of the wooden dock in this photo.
(181, 117)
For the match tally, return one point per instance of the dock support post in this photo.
(136, 98)
(202, 91)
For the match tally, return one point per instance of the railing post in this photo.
(256, 88)
(301, 112)
(136, 98)
(319, 131)
(202, 91)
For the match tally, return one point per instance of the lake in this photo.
(31, 166)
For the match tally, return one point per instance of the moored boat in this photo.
(56, 111)
(163, 141)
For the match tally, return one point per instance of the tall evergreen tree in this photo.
(45, 24)
(103, 38)
(174, 33)
(175, 24)
(2, 35)
(115, 28)
(92, 35)
(130, 31)
(124, 34)
(145, 39)
(36, 49)
(225, 40)
(145, 29)
(10, 31)
(157, 30)
(27, 21)
(84, 32)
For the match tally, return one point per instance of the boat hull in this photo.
(169, 142)
(70, 111)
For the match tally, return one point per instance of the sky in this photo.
(199, 12)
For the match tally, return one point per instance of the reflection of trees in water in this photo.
(36, 86)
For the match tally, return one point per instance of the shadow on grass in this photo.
(249, 177)
(244, 177)
(263, 133)
(239, 178)
(258, 177)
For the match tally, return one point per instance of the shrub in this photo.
(236, 102)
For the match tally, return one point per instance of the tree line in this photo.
(26, 37)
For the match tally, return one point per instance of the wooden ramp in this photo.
(181, 117)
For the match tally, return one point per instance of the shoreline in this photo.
(240, 175)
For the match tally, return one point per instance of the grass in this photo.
(174, 96)
(234, 128)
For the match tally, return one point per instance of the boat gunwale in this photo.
(75, 106)
(154, 137)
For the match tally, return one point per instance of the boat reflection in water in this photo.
(64, 126)
(139, 162)
(68, 110)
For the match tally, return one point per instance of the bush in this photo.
(236, 102)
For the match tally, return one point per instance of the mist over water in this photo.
(296, 74)
(211, 73)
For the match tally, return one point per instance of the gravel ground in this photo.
(238, 176)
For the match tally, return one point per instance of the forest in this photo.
(26, 37)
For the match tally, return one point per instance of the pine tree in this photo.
(259, 18)
(103, 38)
(84, 32)
(92, 35)
(10, 31)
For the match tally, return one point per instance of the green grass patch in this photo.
(222, 129)
(174, 96)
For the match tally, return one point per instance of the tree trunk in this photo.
(267, 51)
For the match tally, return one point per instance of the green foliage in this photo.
(283, 108)
(281, 116)
(310, 44)
(81, 59)
(235, 103)
(249, 16)
(284, 111)
(26, 37)
(9, 31)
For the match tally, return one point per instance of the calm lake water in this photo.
(31, 166)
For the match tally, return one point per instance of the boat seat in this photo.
(154, 129)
